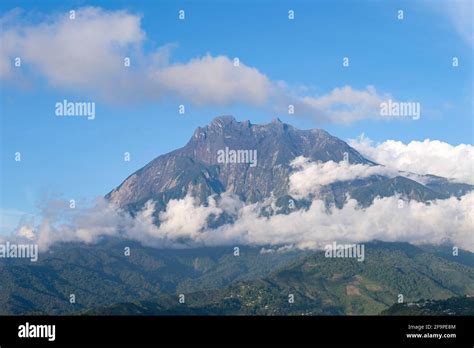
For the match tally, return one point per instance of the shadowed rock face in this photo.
(194, 168)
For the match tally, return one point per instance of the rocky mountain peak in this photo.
(203, 166)
(196, 168)
(223, 121)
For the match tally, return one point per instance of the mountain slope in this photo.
(403, 187)
(325, 286)
(195, 170)
(277, 144)
(102, 275)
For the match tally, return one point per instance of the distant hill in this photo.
(325, 286)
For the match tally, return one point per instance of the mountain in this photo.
(399, 185)
(326, 286)
(194, 169)
(215, 281)
(445, 186)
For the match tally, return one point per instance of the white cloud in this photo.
(345, 104)
(177, 222)
(86, 55)
(27, 232)
(184, 224)
(10, 219)
(449, 220)
(62, 224)
(422, 157)
(310, 176)
(214, 80)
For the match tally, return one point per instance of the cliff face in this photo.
(196, 169)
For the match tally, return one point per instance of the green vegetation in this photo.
(100, 275)
(323, 286)
(452, 306)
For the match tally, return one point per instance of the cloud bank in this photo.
(185, 223)
(422, 157)
(86, 55)
(310, 176)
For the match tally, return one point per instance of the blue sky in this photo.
(409, 59)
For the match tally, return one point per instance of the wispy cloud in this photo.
(10, 219)
(310, 176)
(86, 55)
(345, 104)
(460, 13)
(215, 81)
(185, 224)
